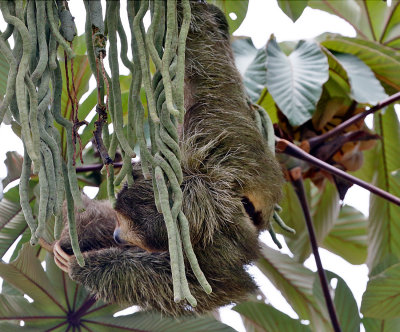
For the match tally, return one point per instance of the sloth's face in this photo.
(138, 221)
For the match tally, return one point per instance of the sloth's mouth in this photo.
(254, 215)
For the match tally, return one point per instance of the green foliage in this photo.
(293, 9)
(59, 302)
(295, 81)
(268, 318)
(348, 237)
(251, 64)
(305, 80)
(343, 299)
(365, 88)
(382, 296)
(296, 284)
(324, 210)
(235, 11)
(384, 218)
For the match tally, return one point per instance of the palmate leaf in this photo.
(384, 217)
(382, 297)
(293, 9)
(383, 61)
(266, 318)
(27, 275)
(295, 81)
(378, 325)
(296, 284)
(237, 7)
(324, 210)
(59, 303)
(348, 237)
(372, 20)
(344, 302)
(12, 220)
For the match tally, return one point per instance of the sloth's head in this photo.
(138, 221)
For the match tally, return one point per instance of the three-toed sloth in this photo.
(231, 183)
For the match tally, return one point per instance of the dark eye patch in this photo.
(254, 215)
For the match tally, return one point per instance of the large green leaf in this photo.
(267, 102)
(371, 19)
(235, 11)
(156, 323)
(27, 274)
(12, 220)
(365, 88)
(60, 304)
(244, 52)
(344, 302)
(251, 64)
(382, 297)
(296, 284)
(324, 208)
(383, 60)
(384, 218)
(295, 81)
(293, 9)
(268, 318)
(348, 238)
(378, 325)
(338, 84)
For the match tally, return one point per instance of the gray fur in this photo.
(228, 170)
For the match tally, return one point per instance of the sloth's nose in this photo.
(117, 237)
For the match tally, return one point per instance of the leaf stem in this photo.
(315, 141)
(298, 185)
(284, 146)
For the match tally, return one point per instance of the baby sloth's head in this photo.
(138, 221)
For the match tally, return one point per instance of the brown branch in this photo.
(98, 125)
(317, 140)
(298, 185)
(94, 167)
(45, 245)
(284, 146)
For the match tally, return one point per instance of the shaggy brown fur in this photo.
(231, 182)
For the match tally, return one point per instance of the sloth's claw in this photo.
(61, 258)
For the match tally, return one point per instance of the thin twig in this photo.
(284, 146)
(315, 141)
(298, 185)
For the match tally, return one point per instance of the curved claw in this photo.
(61, 258)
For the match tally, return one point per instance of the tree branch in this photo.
(315, 141)
(298, 185)
(284, 146)
(94, 167)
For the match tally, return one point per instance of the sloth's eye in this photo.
(254, 215)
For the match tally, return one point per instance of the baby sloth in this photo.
(231, 183)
